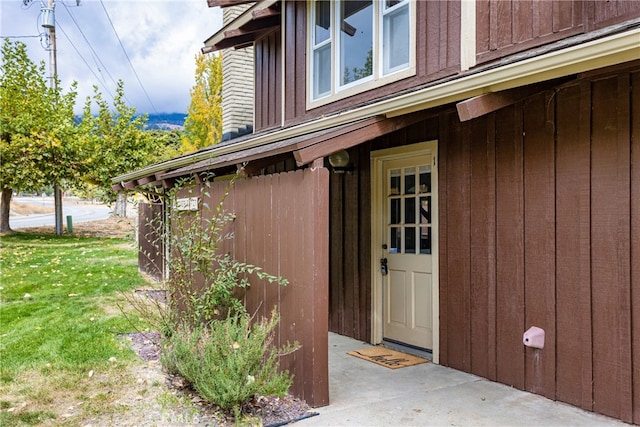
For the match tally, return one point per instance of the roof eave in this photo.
(606, 51)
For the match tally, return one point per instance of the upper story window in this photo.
(356, 45)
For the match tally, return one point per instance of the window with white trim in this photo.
(353, 42)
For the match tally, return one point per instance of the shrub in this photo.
(210, 339)
(203, 280)
(230, 360)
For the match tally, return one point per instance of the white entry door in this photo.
(407, 245)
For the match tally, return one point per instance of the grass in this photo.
(59, 325)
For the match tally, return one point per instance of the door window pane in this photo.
(395, 240)
(356, 40)
(410, 210)
(394, 182)
(410, 240)
(395, 214)
(425, 240)
(410, 181)
(425, 179)
(425, 210)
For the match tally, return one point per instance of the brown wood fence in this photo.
(281, 225)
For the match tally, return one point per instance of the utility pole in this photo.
(48, 22)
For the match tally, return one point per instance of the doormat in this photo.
(390, 358)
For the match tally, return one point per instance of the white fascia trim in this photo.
(592, 55)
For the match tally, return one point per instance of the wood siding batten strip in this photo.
(492, 250)
(443, 234)
(635, 241)
(586, 295)
(623, 237)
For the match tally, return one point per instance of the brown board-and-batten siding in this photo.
(268, 81)
(539, 227)
(350, 249)
(281, 225)
(507, 27)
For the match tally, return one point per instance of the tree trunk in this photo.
(5, 204)
(121, 205)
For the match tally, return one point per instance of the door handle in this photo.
(384, 268)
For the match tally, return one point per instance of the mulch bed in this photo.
(272, 410)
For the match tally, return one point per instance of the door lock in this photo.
(384, 268)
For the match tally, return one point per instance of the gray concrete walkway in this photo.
(365, 394)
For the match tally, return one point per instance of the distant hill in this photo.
(162, 121)
(166, 121)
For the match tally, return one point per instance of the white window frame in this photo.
(313, 47)
(377, 79)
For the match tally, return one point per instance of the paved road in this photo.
(79, 211)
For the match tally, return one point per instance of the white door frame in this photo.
(377, 217)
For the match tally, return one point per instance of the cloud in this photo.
(160, 37)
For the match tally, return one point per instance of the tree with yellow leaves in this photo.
(203, 125)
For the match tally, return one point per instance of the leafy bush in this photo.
(210, 339)
(203, 280)
(229, 361)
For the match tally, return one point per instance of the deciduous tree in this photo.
(203, 125)
(37, 132)
(113, 142)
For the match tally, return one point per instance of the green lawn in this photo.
(60, 319)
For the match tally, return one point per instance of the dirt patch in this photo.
(114, 227)
(17, 208)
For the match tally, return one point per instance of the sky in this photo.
(150, 44)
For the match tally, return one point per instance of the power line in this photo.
(86, 63)
(128, 59)
(99, 64)
(20, 37)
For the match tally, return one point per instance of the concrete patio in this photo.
(365, 394)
